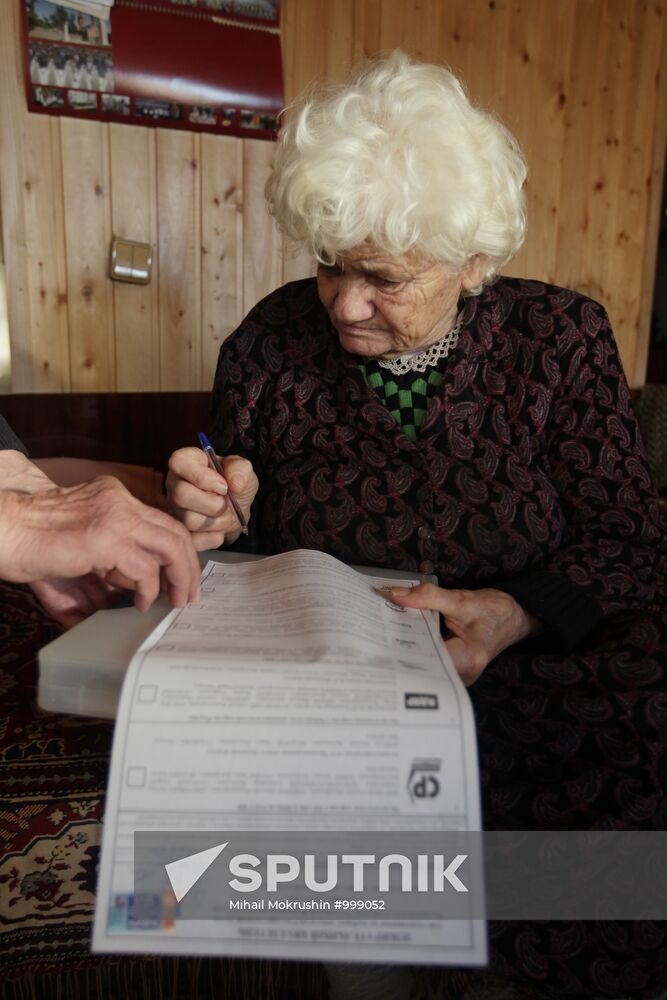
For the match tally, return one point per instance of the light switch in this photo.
(131, 261)
(142, 258)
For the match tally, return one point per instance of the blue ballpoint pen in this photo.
(207, 447)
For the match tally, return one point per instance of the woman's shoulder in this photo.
(522, 293)
(549, 315)
(524, 318)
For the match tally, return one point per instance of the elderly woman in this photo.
(410, 408)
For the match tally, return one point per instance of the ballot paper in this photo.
(295, 704)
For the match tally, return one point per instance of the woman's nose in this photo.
(354, 299)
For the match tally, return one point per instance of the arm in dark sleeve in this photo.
(237, 395)
(614, 539)
(237, 390)
(8, 439)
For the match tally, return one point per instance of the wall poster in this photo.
(204, 65)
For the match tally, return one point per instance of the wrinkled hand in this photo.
(197, 495)
(18, 473)
(70, 601)
(481, 623)
(97, 528)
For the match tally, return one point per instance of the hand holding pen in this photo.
(211, 495)
(207, 448)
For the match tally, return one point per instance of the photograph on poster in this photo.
(59, 23)
(48, 97)
(267, 10)
(264, 10)
(201, 115)
(157, 109)
(266, 120)
(81, 100)
(66, 66)
(69, 60)
(115, 104)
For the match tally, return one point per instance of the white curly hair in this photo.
(399, 158)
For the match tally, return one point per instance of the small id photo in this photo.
(115, 104)
(80, 100)
(266, 120)
(48, 97)
(157, 110)
(200, 115)
(263, 10)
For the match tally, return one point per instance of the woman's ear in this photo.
(475, 271)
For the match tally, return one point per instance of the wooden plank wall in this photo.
(581, 83)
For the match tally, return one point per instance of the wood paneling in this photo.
(134, 217)
(221, 246)
(262, 245)
(87, 200)
(47, 355)
(580, 82)
(648, 250)
(178, 259)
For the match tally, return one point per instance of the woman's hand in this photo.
(480, 623)
(196, 495)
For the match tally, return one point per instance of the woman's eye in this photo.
(387, 283)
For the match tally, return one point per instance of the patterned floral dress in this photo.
(528, 475)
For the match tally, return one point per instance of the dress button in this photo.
(426, 566)
(423, 532)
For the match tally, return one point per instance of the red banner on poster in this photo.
(207, 65)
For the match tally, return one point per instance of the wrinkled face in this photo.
(383, 306)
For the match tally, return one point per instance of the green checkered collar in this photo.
(405, 396)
